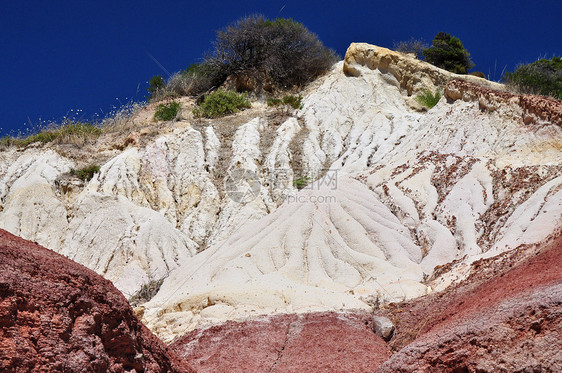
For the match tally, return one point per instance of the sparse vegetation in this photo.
(274, 102)
(165, 112)
(86, 173)
(301, 182)
(70, 132)
(221, 103)
(156, 85)
(415, 46)
(542, 77)
(290, 100)
(447, 52)
(145, 293)
(293, 101)
(120, 119)
(428, 98)
(193, 81)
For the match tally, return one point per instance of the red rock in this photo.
(534, 107)
(56, 315)
(315, 342)
(506, 317)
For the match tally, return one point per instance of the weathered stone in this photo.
(56, 315)
(383, 327)
(505, 317)
(412, 74)
(531, 108)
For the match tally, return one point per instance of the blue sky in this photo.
(63, 57)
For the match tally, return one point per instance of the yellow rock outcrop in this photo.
(411, 74)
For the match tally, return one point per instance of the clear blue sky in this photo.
(58, 57)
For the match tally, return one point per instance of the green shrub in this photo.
(86, 173)
(165, 112)
(428, 99)
(542, 77)
(415, 46)
(301, 182)
(282, 50)
(221, 103)
(294, 101)
(274, 102)
(155, 86)
(447, 52)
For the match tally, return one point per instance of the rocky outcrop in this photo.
(405, 192)
(505, 317)
(317, 342)
(404, 70)
(56, 315)
(533, 109)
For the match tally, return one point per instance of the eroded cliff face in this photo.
(58, 316)
(393, 193)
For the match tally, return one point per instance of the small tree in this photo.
(447, 52)
(282, 50)
(542, 77)
(156, 84)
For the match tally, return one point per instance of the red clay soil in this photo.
(506, 317)
(315, 342)
(58, 316)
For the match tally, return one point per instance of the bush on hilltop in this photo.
(542, 77)
(447, 52)
(415, 46)
(282, 50)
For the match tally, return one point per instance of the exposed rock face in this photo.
(414, 191)
(506, 317)
(406, 192)
(56, 315)
(383, 327)
(409, 73)
(532, 108)
(318, 342)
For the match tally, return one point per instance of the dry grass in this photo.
(70, 132)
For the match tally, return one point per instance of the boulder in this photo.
(383, 327)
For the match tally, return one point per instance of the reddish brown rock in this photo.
(58, 316)
(315, 342)
(506, 317)
(533, 108)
